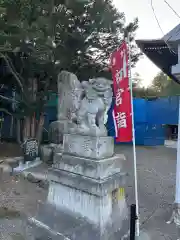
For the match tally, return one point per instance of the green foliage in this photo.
(143, 92)
(164, 86)
(38, 38)
(74, 34)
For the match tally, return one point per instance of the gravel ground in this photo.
(156, 168)
(18, 197)
(18, 194)
(10, 150)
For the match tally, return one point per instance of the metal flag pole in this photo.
(134, 144)
(175, 217)
(177, 196)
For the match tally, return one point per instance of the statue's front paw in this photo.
(103, 131)
(95, 131)
(83, 129)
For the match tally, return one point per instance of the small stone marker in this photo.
(30, 149)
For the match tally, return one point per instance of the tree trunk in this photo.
(30, 121)
(39, 129)
(33, 126)
(27, 128)
(18, 131)
(12, 127)
(34, 99)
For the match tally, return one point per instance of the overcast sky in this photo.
(148, 27)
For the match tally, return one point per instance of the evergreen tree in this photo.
(164, 86)
(38, 38)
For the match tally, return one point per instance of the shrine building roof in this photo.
(163, 56)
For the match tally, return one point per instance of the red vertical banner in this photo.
(122, 108)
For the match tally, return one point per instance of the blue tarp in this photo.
(149, 118)
(140, 113)
(162, 111)
(158, 111)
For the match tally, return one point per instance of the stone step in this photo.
(98, 187)
(93, 168)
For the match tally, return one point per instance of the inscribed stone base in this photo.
(88, 146)
(93, 168)
(86, 195)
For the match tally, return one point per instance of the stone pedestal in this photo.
(86, 194)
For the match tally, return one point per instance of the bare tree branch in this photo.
(8, 99)
(17, 77)
(2, 85)
(12, 71)
(5, 110)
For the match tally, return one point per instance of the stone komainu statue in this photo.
(83, 107)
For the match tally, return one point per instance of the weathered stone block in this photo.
(98, 210)
(97, 169)
(56, 131)
(46, 153)
(88, 146)
(99, 187)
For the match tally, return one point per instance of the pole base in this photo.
(143, 236)
(175, 218)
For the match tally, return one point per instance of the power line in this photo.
(177, 33)
(152, 6)
(172, 9)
